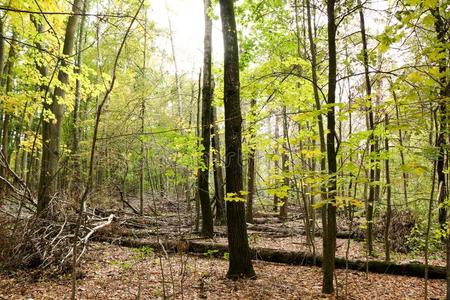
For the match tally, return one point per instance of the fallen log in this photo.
(286, 257)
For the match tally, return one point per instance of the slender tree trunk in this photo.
(251, 165)
(2, 50)
(197, 197)
(203, 181)
(177, 75)
(329, 240)
(388, 193)
(240, 264)
(401, 150)
(8, 89)
(285, 166)
(219, 193)
(372, 141)
(51, 131)
(142, 117)
(323, 147)
(276, 163)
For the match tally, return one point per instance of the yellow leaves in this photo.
(340, 201)
(415, 77)
(13, 104)
(311, 153)
(234, 197)
(428, 20)
(430, 3)
(414, 168)
(31, 140)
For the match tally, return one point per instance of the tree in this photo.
(329, 228)
(240, 264)
(51, 131)
(374, 172)
(203, 180)
(219, 193)
(251, 172)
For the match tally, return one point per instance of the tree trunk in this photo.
(401, 150)
(329, 240)
(51, 131)
(388, 192)
(76, 107)
(284, 166)
(240, 264)
(372, 141)
(276, 163)
(9, 87)
(251, 165)
(219, 194)
(142, 117)
(203, 180)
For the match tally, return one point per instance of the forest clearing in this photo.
(222, 149)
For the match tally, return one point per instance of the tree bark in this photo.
(388, 193)
(251, 166)
(203, 180)
(219, 193)
(276, 163)
(8, 89)
(76, 107)
(51, 131)
(240, 264)
(329, 240)
(285, 166)
(372, 140)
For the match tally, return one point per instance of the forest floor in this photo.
(114, 272)
(110, 271)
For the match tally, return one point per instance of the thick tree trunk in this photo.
(203, 180)
(51, 131)
(329, 240)
(240, 264)
(76, 106)
(442, 131)
(286, 257)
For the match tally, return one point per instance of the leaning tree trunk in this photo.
(329, 241)
(240, 264)
(203, 180)
(51, 131)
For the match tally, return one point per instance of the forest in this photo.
(230, 149)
